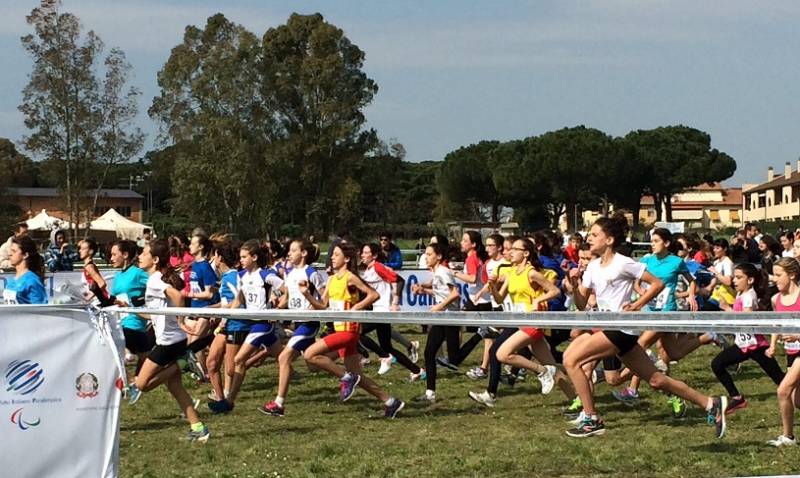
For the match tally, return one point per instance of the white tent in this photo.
(112, 221)
(45, 222)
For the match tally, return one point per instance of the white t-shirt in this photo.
(253, 286)
(724, 266)
(382, 279)
(491, 271)
(166, 328)
(442, 280)
(788, 253)
(613, 284)
(296, 299)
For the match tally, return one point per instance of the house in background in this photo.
(33, 200)
(708, 206)
(775, 200)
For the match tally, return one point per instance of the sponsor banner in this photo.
(410, 301)
(60, 392)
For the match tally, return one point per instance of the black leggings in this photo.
(385, 348)
(437, 335)
(495, 367)
(733, 355)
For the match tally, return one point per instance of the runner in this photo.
(203, 292)
(342, 293)
(494, 250)
(95, 283)
(129, 288)
(786, 273)
(749, 287)
(163, 290)
(257, 285)
(530, 287)
(611, 279)
(301, 273)
(230, 334)
(27, 285)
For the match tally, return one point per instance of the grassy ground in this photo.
(522, 436)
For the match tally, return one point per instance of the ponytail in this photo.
(159, 249)
(34, 261)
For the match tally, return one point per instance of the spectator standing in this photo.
(60, 255)
(393, 258)
(20, 230)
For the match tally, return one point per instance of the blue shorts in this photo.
(305, 334)
(261, 334)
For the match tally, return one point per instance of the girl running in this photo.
(611, 279)
(389, 286)
(720, 289)
(300, 274)
(444, 289)
(748, 282)
(342, 293)
(27, 285)
(786, 273)
(203, 292)
(128, 288)
(530, 287)
(94, 281)
(230, 334)
(257, 285)
(494, 250)
(163, 290)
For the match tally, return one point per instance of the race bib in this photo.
(337, 305)
(793, 347)
(520, 307)
(744, 341)
(9, 297)
(603, 306)
(254, 296)
(195, 287)
(660, 301)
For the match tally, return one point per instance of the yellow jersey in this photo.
(521, 291)
(340, 297)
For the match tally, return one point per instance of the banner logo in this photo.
(86, 384)
(16, 419)
(23, 377)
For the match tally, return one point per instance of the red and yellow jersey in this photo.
(341, 297)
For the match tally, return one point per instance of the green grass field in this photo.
(523, 436)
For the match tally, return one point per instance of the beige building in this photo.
(33, 200)
(775, 200)
(708, 206)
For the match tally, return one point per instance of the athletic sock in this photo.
(279, 401)
(710, 404)
(197, 427)
(389, 402)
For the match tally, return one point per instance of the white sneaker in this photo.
(547, 378)
(782, 441)
(484, 397)
(386, 365)
(581, 416)
(476, 373)
(413, 354)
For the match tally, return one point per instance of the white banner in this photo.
(61, 390)
(410, 301)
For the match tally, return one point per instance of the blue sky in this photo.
(454, 72)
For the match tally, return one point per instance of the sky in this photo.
(455, 72)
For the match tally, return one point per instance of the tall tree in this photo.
(313, 81)
(211, 106)
(60, 102)
(466, 177)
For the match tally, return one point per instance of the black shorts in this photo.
(236, 337)
(164, 355)
(612, 364)
(623, 342)
(138, 342)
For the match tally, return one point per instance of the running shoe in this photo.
(134, 394)
(578, 419)
(426, 397)
(272, 408)
(476, 373)
(422, 375)
(588, 428)
(716, 415)
(386, 365)
(782, 440)
(347, 385)
(391, 411)
(547, 379)
(661, 366)
(627, 396)
(574, 408)
(413, 352)
(677, 405)
(736, 403)
(193, 366)
(220, 406)
(212, 396)
(444, 362)
(201, 436)
(484, 398)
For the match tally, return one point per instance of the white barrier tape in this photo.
(690, 322)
